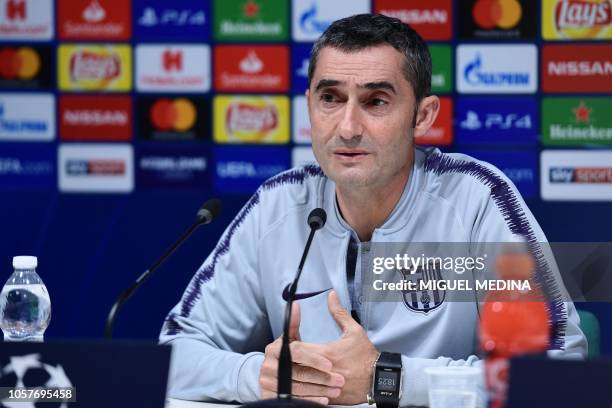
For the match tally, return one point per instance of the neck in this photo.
(366, 209)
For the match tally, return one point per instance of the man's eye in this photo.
(328, 98)
(377, 102)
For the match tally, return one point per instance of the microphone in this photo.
(316, 221)
(209, 211)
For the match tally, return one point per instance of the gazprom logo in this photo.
(502, 68)
(474, 74)
(309, 21)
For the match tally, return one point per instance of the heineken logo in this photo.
(576, 121)
(583, 113)
(245, 20)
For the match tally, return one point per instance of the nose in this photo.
(350, 125)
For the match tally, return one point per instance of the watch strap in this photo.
(388, 360)
(392, 360)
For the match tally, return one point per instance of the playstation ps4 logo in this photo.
(309, 22)
(172, 17)
(500, 121)
(474, 75)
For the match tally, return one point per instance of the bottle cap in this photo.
(25, 262)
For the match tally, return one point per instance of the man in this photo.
(368, 96)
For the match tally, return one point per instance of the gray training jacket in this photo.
(233, 306)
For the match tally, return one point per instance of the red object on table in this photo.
(512, 323)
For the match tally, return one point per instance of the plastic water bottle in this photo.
(25, 307)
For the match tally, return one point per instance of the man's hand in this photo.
(313, 378)
(352, 355)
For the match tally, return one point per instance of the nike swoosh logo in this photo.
(299, 296)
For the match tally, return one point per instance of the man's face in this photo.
(361, 111)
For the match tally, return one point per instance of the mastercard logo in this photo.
(502, 14)
(19, 63)
(178, 114)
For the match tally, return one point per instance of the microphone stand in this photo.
(205, 215)
(316, 220)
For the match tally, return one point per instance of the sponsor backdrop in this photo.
(118, 118)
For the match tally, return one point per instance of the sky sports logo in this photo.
(580, 174)
(95, 168)
(576, 175)
(106, 167)
(500, 68)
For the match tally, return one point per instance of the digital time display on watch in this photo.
(387, 381)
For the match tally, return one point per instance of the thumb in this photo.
(342, 317)
(294, 324)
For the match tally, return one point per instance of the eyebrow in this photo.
(326, 83)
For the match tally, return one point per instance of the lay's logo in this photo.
(93, 67)
(251, 119)
(576, 19)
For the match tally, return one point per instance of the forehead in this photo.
(372, 64)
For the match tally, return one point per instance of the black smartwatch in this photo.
(386, 381)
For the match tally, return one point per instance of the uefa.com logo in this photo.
(499, 68)
(241, 169)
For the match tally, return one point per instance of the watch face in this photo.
(387, 381)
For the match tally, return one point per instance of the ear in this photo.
(426, 114)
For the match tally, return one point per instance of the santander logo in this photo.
(251, 64)
(94, 13)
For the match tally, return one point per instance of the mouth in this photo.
(350, 154)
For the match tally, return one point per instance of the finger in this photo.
(269, 382)
(310, 375)
(303, 354)
(301, 389)
(294, 324)
(342, 317)
(318, 400)
(273, 349)
(267, 394)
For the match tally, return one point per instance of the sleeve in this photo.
(219, 328)
(505, 217)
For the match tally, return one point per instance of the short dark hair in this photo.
(361, 31)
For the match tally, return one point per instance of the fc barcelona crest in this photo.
(423, 300)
